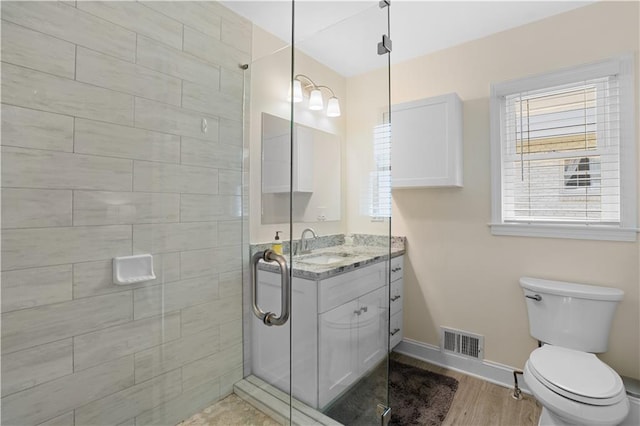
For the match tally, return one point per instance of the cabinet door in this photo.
(372, 328)
(427, 143)
(270, 345)
(303, 159)
(276, 146)
(271, 359)
(338, 366)
(275, 163)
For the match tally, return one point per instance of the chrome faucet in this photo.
(304, 244)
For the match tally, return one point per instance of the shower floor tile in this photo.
(231, 411)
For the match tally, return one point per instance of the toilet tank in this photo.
(575, 316)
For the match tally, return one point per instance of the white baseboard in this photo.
(490, 371)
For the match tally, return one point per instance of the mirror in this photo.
(316, 173)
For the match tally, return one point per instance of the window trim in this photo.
(623, 67)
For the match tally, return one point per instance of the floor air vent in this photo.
(462, 343)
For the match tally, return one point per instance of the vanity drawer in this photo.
(396, 297)
(343, 288)
(397, 264)
(395, 330)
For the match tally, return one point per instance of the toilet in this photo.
(573, 322)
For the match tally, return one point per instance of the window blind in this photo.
(380, 177)
(561, 153)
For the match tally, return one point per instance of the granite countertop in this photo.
(356, 256)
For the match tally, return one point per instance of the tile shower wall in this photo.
(103, 155)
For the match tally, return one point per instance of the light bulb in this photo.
(315, 100)
(333, 107)
(297, 92)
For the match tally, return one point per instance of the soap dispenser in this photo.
(277, 244)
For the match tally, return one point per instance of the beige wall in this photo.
(457, 273)
(270, 76)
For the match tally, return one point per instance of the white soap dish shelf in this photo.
(133, 269)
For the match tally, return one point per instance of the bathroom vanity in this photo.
(339, 317)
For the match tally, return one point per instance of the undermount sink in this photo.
(323, 258)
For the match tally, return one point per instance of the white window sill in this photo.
(578, 232)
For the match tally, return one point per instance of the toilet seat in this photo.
(572, 411)
(579, 376)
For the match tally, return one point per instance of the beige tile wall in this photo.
(104, 155)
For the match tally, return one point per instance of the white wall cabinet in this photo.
(275, 160)
(426, 143)
(340, 328)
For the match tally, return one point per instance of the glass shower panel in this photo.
(340, 213)
(267, 361)
(324, 188)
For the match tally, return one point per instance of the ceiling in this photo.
(344, 34)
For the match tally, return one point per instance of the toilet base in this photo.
(548, 419)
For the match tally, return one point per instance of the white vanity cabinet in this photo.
(352, 327)
(426, 149)
(339, 330)
(271, 354)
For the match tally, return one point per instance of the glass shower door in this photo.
(319, 178)
(267, 291)
(340, 213)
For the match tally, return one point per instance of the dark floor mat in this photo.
(417, 396)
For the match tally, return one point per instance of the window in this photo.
(582, 172)
(563, 154)
(380, 177)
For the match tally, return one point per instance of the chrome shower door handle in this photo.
(270, 318)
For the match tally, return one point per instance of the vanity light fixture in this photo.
(297, 92)
(333, 107)
(316, 101)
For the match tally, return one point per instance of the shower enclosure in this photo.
(327, 190)
(166, 129)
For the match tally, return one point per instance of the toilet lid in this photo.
(580, 376)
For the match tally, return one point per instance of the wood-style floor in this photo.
(476, 403)
(480, 403)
